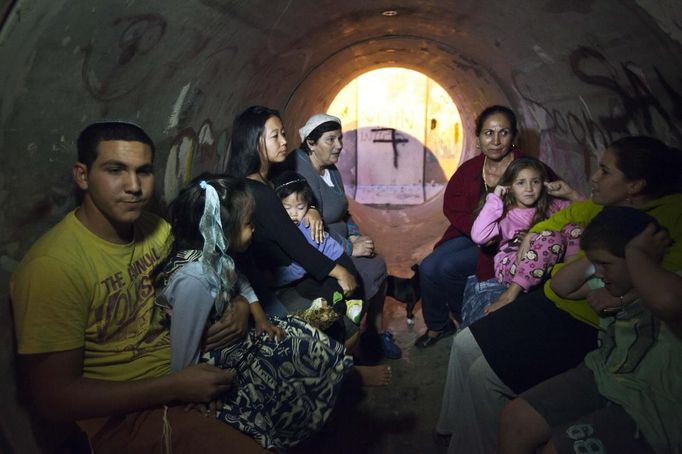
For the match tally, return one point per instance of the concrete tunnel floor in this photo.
(402, 236)
(401, 417)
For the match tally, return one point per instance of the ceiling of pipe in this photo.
(578, 74)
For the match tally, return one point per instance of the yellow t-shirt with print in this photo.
(74, 289)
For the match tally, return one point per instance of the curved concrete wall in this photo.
(578, 73)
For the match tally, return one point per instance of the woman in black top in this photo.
(258, 141)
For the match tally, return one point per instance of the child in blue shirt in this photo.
(296, 196)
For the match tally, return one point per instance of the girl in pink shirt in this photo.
(523, 198)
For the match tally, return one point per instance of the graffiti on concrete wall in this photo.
(633, 107)
(46, 206)
(193, 152)
(112, 79)
(389, 135)
(667, 15)
(640, 106)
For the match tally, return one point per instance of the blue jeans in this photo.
(271, 303)
(478, 295)
(442, 276)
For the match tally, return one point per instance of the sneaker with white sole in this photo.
(390, 349)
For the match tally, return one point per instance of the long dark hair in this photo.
(247, 135)
(649, 159)
(512, 172)
(236, 203)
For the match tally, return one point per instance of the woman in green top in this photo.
(541, 335)
(630, 385)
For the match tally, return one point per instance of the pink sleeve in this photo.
(487, 225)
(557, 205)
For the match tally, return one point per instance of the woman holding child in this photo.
(627, 392)
(540, 334)
(444, 272)
(288, 374)
(258, 142)
(315, 160)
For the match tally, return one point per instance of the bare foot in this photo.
(374, 375)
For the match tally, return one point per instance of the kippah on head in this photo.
(315, 121)
(104, 130)
(107, 121)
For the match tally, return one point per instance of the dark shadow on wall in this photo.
(403, 234)
(382, 158)
(50, 436)
(529, 143)
(6, 7)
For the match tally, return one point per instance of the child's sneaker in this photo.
(350, 308)
(354, 310)
(389, 347)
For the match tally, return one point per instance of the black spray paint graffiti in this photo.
(635, 109)
(106, 81)
(140, 36)
(638, 101)
(394, 141)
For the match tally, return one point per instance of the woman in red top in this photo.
(443, 273)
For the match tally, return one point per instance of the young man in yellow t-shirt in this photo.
(88, 332)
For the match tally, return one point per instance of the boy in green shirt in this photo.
(626, 395)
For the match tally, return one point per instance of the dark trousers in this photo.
(442, 277)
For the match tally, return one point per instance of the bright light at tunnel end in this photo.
(402, 137)
(389, 13)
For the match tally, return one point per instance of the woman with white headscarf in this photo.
(315, 160)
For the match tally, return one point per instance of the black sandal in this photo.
(425, 340)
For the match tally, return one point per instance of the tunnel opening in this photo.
(402, 137)
(403, 140)
(404, 233)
